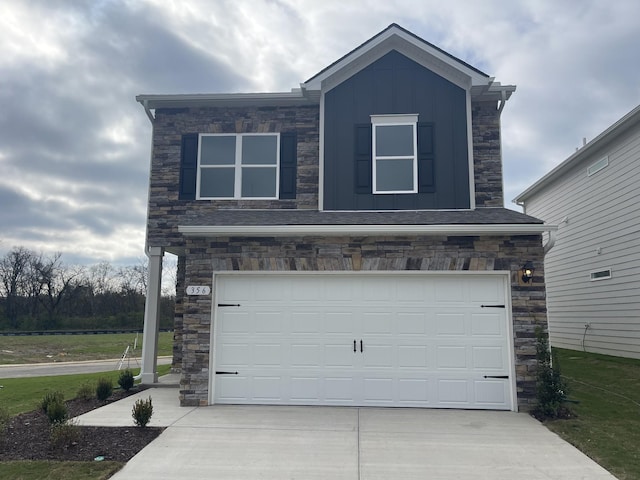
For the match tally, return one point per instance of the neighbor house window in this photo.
(601, 274)
(238, 166)
(395, 164)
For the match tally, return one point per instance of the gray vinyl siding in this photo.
(394, 84)
(602, 213)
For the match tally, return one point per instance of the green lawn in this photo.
(607, 426)
(25, 394)
(59, 470)
(66, 348)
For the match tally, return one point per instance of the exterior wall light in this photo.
(527, 271)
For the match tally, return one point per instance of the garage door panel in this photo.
(267, 355)
(488, 359)
(306, 355)
(378, 390)
(377, 323)
(487, 325)
(453, 391)
(425, 342)
(339, 323)
(413, 391)
(339, 390)
(413, 356)
(234, 322)
(450, 324)
(305, 322)
(410, 323)
(451, 357)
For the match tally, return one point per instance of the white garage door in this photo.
(362, 340)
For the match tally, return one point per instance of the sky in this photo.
(75, 145)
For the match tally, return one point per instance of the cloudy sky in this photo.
(74, 144)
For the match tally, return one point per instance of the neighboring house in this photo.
(346, 243)
(593, 271)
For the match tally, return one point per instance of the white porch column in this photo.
(148, 373)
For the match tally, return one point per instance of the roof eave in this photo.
(386, 230)
(294, 98)
(619, 127)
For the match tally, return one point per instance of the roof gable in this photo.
(397, 38)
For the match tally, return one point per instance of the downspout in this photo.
(551, 242)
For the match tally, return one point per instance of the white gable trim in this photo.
(395, 38)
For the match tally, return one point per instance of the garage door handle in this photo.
(361, 350)
(492, 306)
(497, 376)
(354, 345)
(228, 304)
(226, 373)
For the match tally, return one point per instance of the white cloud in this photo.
(74, 145)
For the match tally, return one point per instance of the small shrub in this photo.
(142, 411)
(86, 391)
(126, 380)
(104, 389)
(64, 435)
(551, 389)
(57, 412)
(51, 397)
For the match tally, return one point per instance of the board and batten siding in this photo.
(599, 229)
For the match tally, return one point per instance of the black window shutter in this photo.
(188, 166)
(288, 165)
(364, 169)
(426, 158)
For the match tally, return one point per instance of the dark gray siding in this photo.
(396, 85)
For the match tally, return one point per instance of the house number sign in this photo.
(198, 290)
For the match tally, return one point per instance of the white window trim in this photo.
(237, 166)
(387, 120)
(595, 167)
(607, 277)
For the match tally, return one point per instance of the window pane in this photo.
(394, 175)
(258, 182)
(259, 149)
(215, 150)
(394, 140)
(216, 182)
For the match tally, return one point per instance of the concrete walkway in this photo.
(278, 442)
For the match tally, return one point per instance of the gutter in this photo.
(355, 230)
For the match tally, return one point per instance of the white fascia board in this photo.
(412, 47)
(357, 230)
(295, 97)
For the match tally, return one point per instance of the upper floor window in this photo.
(395, 162)
(237, 166)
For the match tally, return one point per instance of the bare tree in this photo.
(14, 273)
(58, 283)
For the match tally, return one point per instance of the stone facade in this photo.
(166, 210)
(391, 254)
(487, 157)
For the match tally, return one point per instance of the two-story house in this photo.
(346, 243)
(593, 272)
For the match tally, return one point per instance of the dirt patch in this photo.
(28, 436)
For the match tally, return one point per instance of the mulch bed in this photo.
(28, 436)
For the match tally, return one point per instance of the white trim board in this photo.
(328, 230)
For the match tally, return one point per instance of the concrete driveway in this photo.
(273, 442)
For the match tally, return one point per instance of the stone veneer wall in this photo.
(166, 211)
(426, 253)
(178, 314)
(487, 155)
